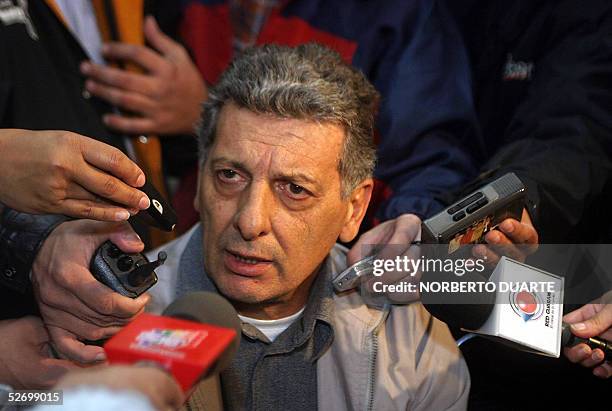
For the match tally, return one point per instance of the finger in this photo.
(596, 357)
(141, 55)
(485, 253)
(64, 298)
(111, 159)
(404, 231)
(77, 281)
(107, 302)
(581, 314)
(370, 240)
(93, 210)
(603, 371)
(578, 353)
(129, 125)
(76, 192)
(158, 39)
(67, 345)
(135, 102)
(119, 78)
(83, 329)
(127, 240)
(406, 274)
(65, 301)
(519, 233)
(361, 249)
(596, 325)
(111, 188)
(501, 245)
(405, 268)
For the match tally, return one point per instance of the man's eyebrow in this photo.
(299, 177)
(227, 162)
(224, 160)
(293, 176)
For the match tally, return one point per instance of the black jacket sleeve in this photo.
(21, 236)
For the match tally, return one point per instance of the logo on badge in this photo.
(527, 305)
(170, 339)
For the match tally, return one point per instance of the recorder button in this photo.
(453, 209)
(114, 251)
(125, 263)
(476, 205)
(465, 202)
(459, 216)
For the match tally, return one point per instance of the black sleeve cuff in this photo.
(21, 236)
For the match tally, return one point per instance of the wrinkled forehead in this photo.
(253, 138)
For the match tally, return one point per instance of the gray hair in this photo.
(308, 82)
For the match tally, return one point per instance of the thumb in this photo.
(127, 239)
(360, 250)
(371, 241)
(121, 234)
(595, 325)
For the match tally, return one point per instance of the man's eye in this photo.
(294, 191)
(227, 175)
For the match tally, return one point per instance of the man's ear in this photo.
(358, 205)
(196, 200)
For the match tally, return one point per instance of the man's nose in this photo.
(255, 208)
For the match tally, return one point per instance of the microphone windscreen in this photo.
(209, 308)
(567, 337)
(469, 310)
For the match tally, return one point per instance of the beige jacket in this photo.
(387, 358)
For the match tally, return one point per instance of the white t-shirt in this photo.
(272, 328)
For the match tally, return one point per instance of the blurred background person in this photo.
(541, 89)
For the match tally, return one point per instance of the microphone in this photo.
(469, 310)
(484, 312)
(519, 305)
(197, 336)
(569, 340)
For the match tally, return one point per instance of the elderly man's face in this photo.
(271, 207)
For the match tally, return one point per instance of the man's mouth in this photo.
(246, 264)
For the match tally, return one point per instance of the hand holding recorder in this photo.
(488, 215)
(73, 304)
(90, 278)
